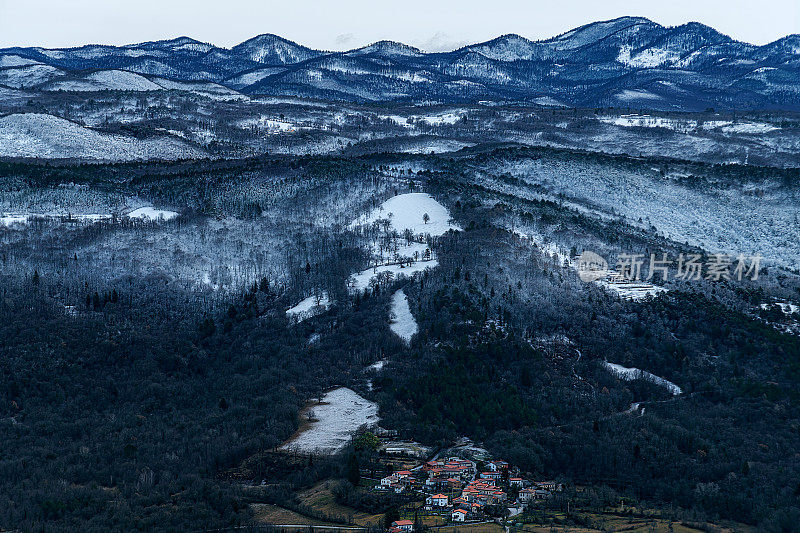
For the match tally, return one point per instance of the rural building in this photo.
(407, 526)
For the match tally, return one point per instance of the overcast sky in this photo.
(432, 25)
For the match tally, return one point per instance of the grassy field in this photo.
(489, 527)
(605, 522)
(321, 499)
(272, 514)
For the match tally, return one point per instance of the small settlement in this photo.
(456, 489)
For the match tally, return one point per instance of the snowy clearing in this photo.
(309, 307)
(647, 121)
(359, 282)
(151, 213)
(407, 211)
(402, 322)
(340, 415)
(631, 290)
(630, 374)
(751, 128)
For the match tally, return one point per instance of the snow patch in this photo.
(150, 213)
(749, 128)
(628, 95)
(649, 58)
(402, 322)
(335, 420)
(310, 307)
(630, 374)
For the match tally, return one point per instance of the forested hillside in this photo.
(154, 366)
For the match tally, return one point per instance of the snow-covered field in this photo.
(418, 213)
(682, 125)
(151, 213)
(630, 374)
(51, 137)
(402, 322)
(310, 307)
(359, 282)
(340, 415)
(407, 211)
(629, 290)
(647, 121)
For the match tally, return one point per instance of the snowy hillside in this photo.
(105, 80)
(47, 136)
(28, 76)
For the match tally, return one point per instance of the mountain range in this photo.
(626, 62)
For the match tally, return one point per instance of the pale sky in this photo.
(339, 25)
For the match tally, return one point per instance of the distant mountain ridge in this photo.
(625, 62)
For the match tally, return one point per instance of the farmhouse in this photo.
(406, 526)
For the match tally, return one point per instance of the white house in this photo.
(437, 500)
(459, 515)
(526, 495)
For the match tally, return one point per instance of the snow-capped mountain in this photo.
(270, 49)
(629, 62)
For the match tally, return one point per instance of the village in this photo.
(464, 491)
